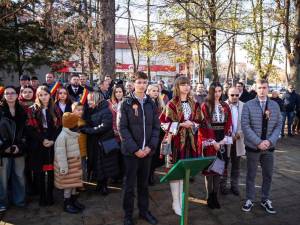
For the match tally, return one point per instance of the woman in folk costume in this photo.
(180, 119)
(67, 164)
(214, 133)
(153, 91)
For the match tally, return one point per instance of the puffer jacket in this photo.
(252, 117)
(137, 123)
(67, 158)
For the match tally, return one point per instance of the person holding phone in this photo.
(12, 146)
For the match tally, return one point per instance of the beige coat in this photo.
(240, 146)
(67, 158)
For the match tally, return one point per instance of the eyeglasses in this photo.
(234, 95)
(10, 93)
(62, 93)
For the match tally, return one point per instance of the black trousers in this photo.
(46, 186)
(136, 171)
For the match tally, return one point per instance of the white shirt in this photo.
(45, 125)
(75, 89)
(62, 106)
(235, 117)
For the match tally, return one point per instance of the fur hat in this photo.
(69, 120)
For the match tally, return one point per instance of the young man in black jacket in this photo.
(290, 103)
(139, 127)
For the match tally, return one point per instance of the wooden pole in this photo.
(185, 198)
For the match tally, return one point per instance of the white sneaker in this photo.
(2, 209)
(248, 206)
(267, 204)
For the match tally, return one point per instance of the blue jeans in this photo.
(290, 117)
(12, 169)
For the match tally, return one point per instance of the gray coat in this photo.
(252, 116)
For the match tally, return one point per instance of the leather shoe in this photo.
(128, 222)
(149, 218)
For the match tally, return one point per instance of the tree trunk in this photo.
(107, 38)
(213, 40)
(148, 41)
(297, 47)
(135, 67)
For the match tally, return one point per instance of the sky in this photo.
(138, 12)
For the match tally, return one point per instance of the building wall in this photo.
(13, 78)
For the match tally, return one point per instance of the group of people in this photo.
(66, 135)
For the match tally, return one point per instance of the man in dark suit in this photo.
(74, 89)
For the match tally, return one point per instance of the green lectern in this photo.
(184, 169)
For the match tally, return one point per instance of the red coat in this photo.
(207, 133)
(174, 113)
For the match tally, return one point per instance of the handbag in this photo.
(109, 145)
(218, 165)
(166, 147)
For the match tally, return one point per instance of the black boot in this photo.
(215, 200)
(69, 207)
(77, 204)
(210, 201)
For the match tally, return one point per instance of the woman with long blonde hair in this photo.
(153, 91)
(181, 118)
(42, 129)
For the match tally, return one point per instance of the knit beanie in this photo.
(69, 120)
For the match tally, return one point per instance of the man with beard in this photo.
(74, 89)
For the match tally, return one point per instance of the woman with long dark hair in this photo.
(181, 117)
(118, 93)
(43, 132)
(26, 97)
(12, 147)
(26, 100)
(117, 96)
(212, 134)
(62, 104)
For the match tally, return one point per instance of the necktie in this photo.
(263, 105)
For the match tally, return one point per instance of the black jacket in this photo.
(12, 130)
(130, 124)
(99, 128)
(279, 102)
(75, 96)
(290, 101)
(245, 97)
